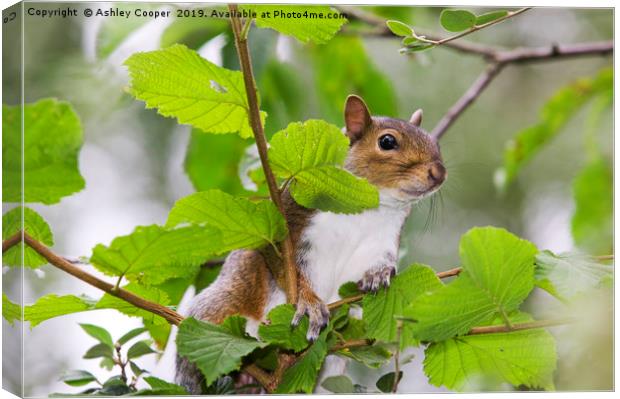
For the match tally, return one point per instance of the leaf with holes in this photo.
(51, 142)
(498, 274)
(242, 223)
(154, 254)
(180, 83)
(215, 349)
(483, 362)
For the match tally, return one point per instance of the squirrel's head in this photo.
(398, 157)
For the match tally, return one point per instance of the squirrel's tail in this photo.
(241, 288)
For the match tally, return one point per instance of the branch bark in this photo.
(243, 52)
(170, 315)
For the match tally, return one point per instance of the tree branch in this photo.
(170, 315)
(241, 43)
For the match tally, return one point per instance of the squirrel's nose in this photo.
(437, 173)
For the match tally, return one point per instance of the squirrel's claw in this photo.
(318, 315)
(376, 278)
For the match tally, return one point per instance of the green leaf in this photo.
(211, 161)
(35, 226)
(592, 223)
(52, 140)
(140, 348)
(114, 386)
(99, 350)
(302, 376)
(498, 274)
(400, 29)
(10, 311)
(568, 275)
(52, 305)
(114, 31)
(242, 223)
(107, 363)
(348, 289)
(335, 79)
(130, 335)
(155, 254)
(280, 332)
(457, 20)
(215, 349)
(338, 384)
(206, 276)
(482, 362)
(381, 308)
(135, 369)
(180, 83)
(149, 293)
(99, 333)
(301, 22)
(490, 17)
(373, 356)
(553, 117)
(386, 382)
(77, 378)
(161, 387)
(311, 153)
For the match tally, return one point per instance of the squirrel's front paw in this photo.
(376, 278)
(317, 312)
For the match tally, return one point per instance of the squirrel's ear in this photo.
(416, 118)
(356, 117)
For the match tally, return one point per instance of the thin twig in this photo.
(399, 330)
(603, 258)
(466, 99)
(449, 273)
(353, 343)
(11, 241)
(290, 271)
(170, 315)
(520, 326)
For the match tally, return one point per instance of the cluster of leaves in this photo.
(111, 355)
(451, 20)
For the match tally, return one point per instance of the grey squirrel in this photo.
(396, 156)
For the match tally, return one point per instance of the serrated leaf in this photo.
(482, 362)
(457, 20)
(498, 274)
(399, 28)
(35, 226)
(130, 335)
(52, 140)
(302, 26)
(592, 222)
(568, 275)
(149, 293)
(139, 349)
(155, 254)
(180, 83)
(160, 387)
(554, 115)
(10, 311)
(77, 378)
(52, 305)
(99, 350)
(215, 349)
(380, 309)
(99, 333)
(386, 382)
(280, 332)
(338, 384)
(302, 376)
(242, 223)
(490, 17)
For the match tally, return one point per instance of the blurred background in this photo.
(137, 164)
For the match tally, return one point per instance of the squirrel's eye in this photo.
(387, 142)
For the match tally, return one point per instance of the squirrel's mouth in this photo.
(419, 194)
